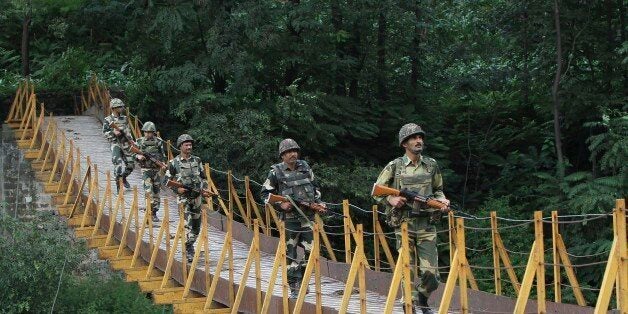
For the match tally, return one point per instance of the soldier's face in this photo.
(290, 156)
(414, 144)
(119, 110)
(149, 134)
(186, 148)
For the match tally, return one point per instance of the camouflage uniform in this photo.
(151, 172)
(424, 178)
(121, 156)
(300, 185)
(189, 172)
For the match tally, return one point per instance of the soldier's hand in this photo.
(141, 157)
(286, 206)
(116, 132)
(446, 208)
(397, 201)
(181, 190)
(320, 207)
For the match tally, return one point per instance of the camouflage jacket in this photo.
(424, 178)
(188, 171)
(155, 147)
(123, 123)
(279, 184)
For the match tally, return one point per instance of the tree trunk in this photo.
(339, 85)
(622, 34)
(526, 61)
(555, 91)
(415, 53)
(26, 69)
(610, 44)
(354, 51)
(292, 70)
(382, 90)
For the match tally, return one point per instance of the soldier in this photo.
(151, 145)
(293, 177)
(116, 130)
(420, 174)
(188, 169)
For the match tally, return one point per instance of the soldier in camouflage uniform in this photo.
(293, 177)
(188, 169)
(420, 174)
(151, 171)
(121, 141)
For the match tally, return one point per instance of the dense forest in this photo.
(524, 102)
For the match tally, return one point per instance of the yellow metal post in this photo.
(407, 278)
(247, 268)
(556, 258)
(540, 256)
(347, 230)
(375, 238)
(461, 249)
(497, 273)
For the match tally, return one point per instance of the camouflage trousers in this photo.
(123, 161)
(298, 233)
(151, 179)
(192, 215)
(422, 248)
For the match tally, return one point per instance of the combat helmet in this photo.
(286, 145)
(408, 130)
(149, 127)
(184, 138)
(116, 103)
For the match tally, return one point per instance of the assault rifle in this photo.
(381, 190)
(115, 126)
(274, 198)
(203, 192)
(150, 156)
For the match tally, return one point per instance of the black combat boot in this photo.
(189, 252)
(126, 183)
(421, 306)
(294, 290)
(155, 218)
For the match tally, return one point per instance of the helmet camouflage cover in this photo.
(116, 103)
(408, 130)
(286, 145)
(149, 127)
(184, 138)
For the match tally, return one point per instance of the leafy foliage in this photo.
(341, 77)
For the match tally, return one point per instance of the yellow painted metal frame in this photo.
(279, 261)
(617, 267)
(535, 266)
(401, 275)
(358, 266)
(458, 272)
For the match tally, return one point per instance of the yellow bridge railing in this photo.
(131, 244)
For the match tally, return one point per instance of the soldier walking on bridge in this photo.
(293, 177)
(116, 130)
(188, 170)
(152, 146)
(420, 174)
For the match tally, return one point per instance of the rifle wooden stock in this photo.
(381, 190)
(175, 184)
(274, 198)
(115, 126)
(138, 151)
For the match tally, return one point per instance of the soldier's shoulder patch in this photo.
(429, 160)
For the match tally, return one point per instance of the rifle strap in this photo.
(398, 169)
